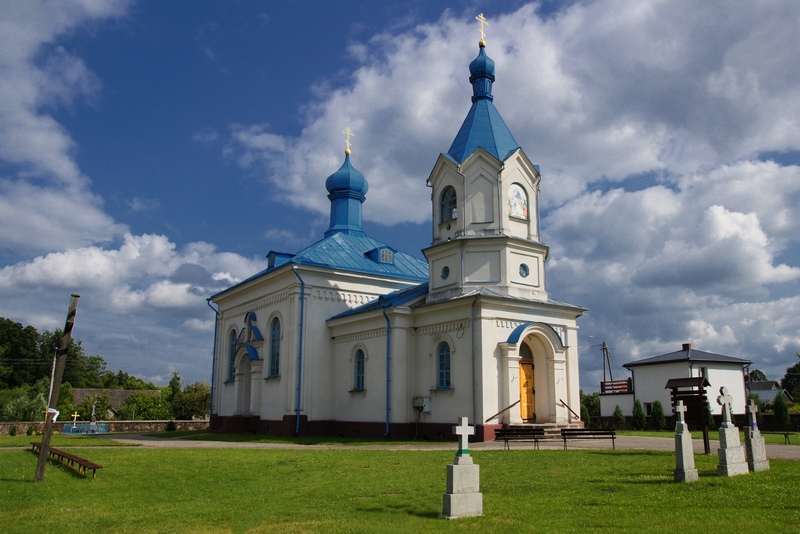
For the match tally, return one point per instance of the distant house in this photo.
(649, 377)
(768, 390)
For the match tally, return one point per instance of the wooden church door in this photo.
(527, 390)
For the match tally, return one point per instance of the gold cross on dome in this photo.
(348, 133)
(480, 18)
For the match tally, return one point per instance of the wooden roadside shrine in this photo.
(692, 391)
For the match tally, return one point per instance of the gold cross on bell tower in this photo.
(348, 133)
(480, 18)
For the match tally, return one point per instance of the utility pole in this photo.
(56, 387)
(606, 361)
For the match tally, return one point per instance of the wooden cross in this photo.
(480, 18)
(463, 431)
(679, 411)
(752, 409)
(725, 401)
(348, 133)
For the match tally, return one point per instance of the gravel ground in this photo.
(785, 452)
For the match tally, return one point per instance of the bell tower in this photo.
(485, 206)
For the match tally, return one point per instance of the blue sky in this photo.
(152, 153)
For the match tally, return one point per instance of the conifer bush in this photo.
(618, 417)
(657, 419)
(781, 410)
(639, 418)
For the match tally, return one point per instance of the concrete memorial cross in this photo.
(725, 400)
(752, 409)
(463, 431)
(680, 409)
(463, 497)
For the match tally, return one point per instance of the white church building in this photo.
(350, 336)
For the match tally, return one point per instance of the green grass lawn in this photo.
(145, 489)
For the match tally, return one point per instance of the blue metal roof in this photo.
(353, 252)
(483, 127)
(395, 298)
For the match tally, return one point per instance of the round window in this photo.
(445, 272)
(523, 270)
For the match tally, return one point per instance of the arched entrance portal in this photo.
(527, 385)
(243, 379)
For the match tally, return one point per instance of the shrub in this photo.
(619, 417)
(13, 430)
(584, 414)
(30, 430)
(781, 410)
(639, 419)
(657, 419)
(171, 426)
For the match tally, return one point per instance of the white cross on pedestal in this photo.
(463, 431)
(679, 411)
(725, 401)
(752, 409)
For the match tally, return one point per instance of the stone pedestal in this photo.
(463, 497)
(754, 442)
(685, 470)
(731, 453)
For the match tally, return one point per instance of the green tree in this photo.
(791, 380)
(80, 371)
(192, 402)
(592, 403)
(639, 418)
(618, 417)
(146, 406)
(174, 388)
(22, 404)
(781, 410)
(21, 361)
(756, 375)
(102, 407)
(657, 419)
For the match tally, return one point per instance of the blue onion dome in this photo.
(481, 65)
(481, 75)
(347, 178)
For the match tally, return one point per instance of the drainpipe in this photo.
(474, 384)
(388, 370)
(300, 348)
(213, 358)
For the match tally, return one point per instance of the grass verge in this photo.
(334, 490)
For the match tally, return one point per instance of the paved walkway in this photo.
(786, 452)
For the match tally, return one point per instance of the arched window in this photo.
(358, 383)
(525, 352)
(275, 348)
(231, 354)
(443, 366)
(448, 204)
(517, 202)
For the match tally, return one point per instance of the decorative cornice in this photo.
(371, 334)
(352, 299)
(264, 302)
(439, 329)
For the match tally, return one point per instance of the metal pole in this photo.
(56, 387)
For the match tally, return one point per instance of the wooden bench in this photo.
(785, 434)
(81, 465)
(589, 433)
(519, 434)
